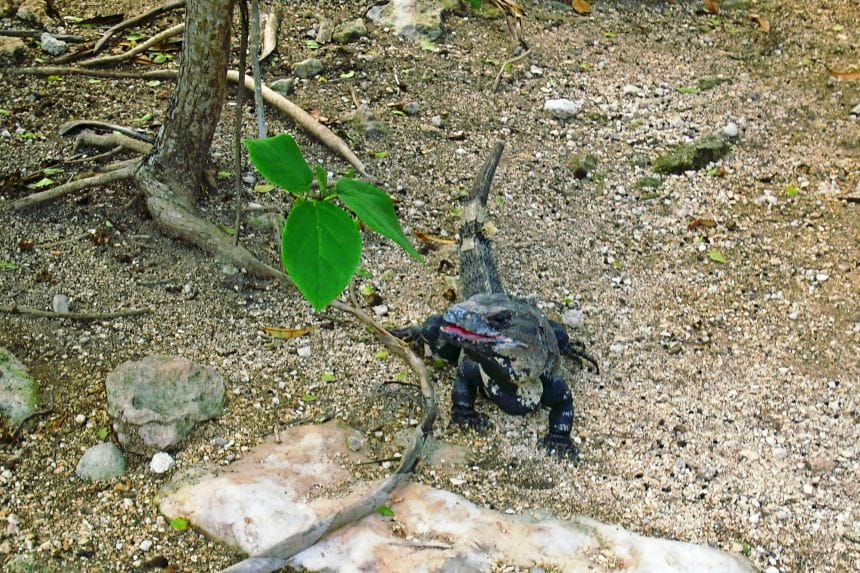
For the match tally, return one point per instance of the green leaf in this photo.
(7, 266)
(687, 90)
(476, 4)
(321, 250)
(179, 523)
(364, 273)
(263, 188)
(225, 175)
(55, 79)
(375, 208)
(312, 44)
(94, 81)
(792, 191)
(279, 160)
(385, 511)
(160, 58)
(379, 154)
(367, 290)
(134, 37)
(428, 45)
(398, 112)
(4, 112)
(41, 183)
(309, 398)
(48, 171)
(328, 377)
(717, 256)
(381, 355)
(153, 83)
(401, 377)
(227, 230)
(102, 433)
(347, 75)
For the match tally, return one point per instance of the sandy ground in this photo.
(726, 411)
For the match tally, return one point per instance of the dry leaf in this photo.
(286, 333)
(843, 76)
(430, 239)
(712, 6)
(763, 24)
(581, 6)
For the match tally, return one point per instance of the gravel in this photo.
(726, 409)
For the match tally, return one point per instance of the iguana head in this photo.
(505, 335)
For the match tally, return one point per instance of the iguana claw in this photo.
(468, 418)
(561, 446)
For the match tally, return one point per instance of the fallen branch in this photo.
(113, 139)
(277, 556)
(157, 11)
(27, 311)
(125, 172)
(140, 48)
(77, 71)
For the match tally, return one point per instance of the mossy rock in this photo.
(693, 156)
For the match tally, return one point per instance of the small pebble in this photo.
(145, 545)
(436, 121)
(60, 303)
(631, 90)
(573, 318)
(80, 419)
(380, 309)
(51, 45)
(411, 108)
(161, 462)
(304, 351)
(730, 130)
(562, 109)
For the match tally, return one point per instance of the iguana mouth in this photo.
(472, 336)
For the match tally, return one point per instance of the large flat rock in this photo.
(282, 488)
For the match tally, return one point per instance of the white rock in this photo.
(161, 462)
(730, 130)
(145, 545)
(304, 351)
(562, 109)
(60, 303)
(631, 90)
(573, 318)
(80, 419)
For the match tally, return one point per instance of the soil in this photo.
(723, 305)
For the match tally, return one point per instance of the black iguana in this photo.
(502, 345)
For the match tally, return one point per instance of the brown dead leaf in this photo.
(581, 6)
(286, 333)
(844, 76)
(763, 24)
(431, 240)
(699, 223)
(712, 6)
(26, 245)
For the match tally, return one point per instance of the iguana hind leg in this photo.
(558, 399)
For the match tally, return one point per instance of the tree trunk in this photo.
(172, 172)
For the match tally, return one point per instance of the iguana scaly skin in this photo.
(502, 345)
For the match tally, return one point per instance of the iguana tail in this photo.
(478, 272)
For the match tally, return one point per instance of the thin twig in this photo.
(140, 48)
(79, 124)
(96, 157)
(38, 34)
(277, 556)
(505, 64)
(36, 414)
(255, 68)
(53, 244)
(78, 71)
(237, 124)
(137, 20)
(25, 310)
(125, 172)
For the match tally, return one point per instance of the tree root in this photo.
(25, 310)
(140, 48)
(125, 172)
(157, 11)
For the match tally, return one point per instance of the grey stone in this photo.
(283, 86)
(51, 45)
(411, 108)
(562, 109)
(102, 461)
(413, 19)
(60, 303)
(161, 462)
(155, 402)
(574, 318)
(856, 110)
(19, 394)
(308, 68)
(730, 130)
(349, 31)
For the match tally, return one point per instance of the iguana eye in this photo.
(500, 319)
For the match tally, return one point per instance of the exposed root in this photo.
(79, 71)
(125, 172)
(113, 139)
(157, 11)
(305, 120)
(505, 64)
(76, 125)
(140, 48)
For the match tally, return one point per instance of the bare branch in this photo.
(157, 39)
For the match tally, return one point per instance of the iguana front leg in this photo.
(556, 396)
(463, 397)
